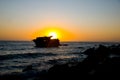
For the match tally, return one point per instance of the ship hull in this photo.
(46, 42)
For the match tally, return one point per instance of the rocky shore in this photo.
(101, 62)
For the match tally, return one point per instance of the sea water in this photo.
(17, 55)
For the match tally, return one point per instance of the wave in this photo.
(26, 55)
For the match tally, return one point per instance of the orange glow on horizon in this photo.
(56, 32)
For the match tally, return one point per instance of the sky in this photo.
(73, 20)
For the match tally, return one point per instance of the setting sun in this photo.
(56, 33)
(53, 34)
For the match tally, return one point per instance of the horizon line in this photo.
(67, 41)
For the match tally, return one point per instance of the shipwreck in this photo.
(46, 42)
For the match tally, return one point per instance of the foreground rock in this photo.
(101, 62)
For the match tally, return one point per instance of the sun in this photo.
(56, 33)
(53, 34)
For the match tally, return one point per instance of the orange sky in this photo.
(63, 35)
(69, 34)
(72, 20)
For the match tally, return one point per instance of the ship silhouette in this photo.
(46, 41)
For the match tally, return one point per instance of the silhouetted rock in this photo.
(28, 68)
(97, 64)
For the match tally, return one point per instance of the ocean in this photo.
(17, 55)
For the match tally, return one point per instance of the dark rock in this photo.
(28, 68)
(97, 64)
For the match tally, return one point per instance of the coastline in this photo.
(103, 61)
